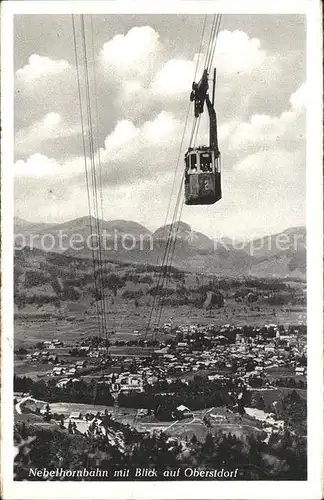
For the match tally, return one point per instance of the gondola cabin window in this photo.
(191, 164)
(202, 177)
(206, 162)
(198, 162)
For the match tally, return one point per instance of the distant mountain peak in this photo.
(282, 254)
(18, 220)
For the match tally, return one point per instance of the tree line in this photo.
(284, 457)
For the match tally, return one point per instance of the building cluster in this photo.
(245, 351)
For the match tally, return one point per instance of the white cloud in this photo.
(261, 135)
(52, 200)
(40, 66)
(225, 130)
(237, 57)
(133, 99)
(37, 165)
(173, 78)
(128, 141)
(237, 52)
(52, 87)
(263, 131)
(272, 167)
(263, 193)
(160, 130)
(127, 148)
(49, 128)
(132, 88)
(250, 202)
(133, 54)
(121, 143)
(298, 98)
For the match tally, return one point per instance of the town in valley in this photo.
(228, 357)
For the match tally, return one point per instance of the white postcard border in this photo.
(310, 489)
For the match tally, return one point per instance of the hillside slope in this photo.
(281, 255)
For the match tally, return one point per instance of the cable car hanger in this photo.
(202, 163)
(157, 307)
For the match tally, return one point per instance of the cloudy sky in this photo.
(144, 67)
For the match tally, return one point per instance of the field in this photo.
(127, 319)
(277, 393)
(221, 420)
(124, 318)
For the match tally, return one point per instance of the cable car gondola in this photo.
(202, 163)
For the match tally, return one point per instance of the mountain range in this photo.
(276, 255)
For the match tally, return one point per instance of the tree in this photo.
(284, 457)
(234, 366)
(194, 439)
(260, 403)
(114, 282)
(208, 445)
(303, 360)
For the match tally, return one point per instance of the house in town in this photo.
(182, 412)
(75, 415)
(58, 370)
(300, 370)
(52, 358)
(62, 383)
(130, 382)
(80, 364)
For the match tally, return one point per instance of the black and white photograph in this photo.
(161, 282)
